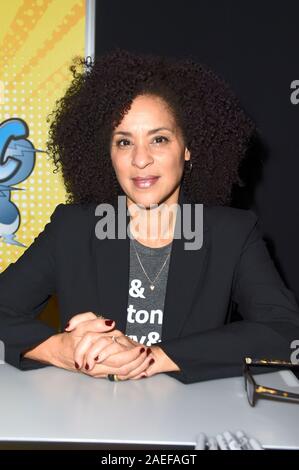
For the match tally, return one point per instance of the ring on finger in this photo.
(113, 377)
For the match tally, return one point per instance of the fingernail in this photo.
(148, 351)
(67, 325)
(96, 358)
(76, 365)
(143, 376)
(108, 322)
(86, 366)
(142, 350)
(151, 361)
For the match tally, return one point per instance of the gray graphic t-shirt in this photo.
(146, 305)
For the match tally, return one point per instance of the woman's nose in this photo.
(141, 156)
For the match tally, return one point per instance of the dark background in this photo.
(253, 45)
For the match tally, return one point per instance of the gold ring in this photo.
(113, 378)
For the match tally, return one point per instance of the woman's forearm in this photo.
(47, 351)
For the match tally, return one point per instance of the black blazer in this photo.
(223, 301)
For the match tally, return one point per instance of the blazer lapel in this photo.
(112, 269)
(185, 274)
(112, 257)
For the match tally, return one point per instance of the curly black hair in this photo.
(215, 128)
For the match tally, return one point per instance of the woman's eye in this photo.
(160, 139)
(123, 143)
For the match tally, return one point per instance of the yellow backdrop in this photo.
(38, 39)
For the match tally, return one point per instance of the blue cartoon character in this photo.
(17, 160)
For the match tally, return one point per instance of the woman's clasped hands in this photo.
(100, 350)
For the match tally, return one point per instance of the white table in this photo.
(51, 405)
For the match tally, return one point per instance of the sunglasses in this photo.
(255, 391)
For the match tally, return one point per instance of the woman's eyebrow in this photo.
(152, 131)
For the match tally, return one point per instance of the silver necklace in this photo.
(152, 283)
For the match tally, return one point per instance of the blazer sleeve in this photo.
(270, 321)
(25, 288)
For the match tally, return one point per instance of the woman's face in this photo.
(148, 153)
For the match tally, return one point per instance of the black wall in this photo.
(253, 45)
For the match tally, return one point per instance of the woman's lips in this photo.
(145, 182)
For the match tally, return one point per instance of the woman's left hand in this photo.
(94, 349)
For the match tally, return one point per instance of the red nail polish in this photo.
(142, 350)
(86, 366)
(76, 365)
(151, 361)
(108, 322)
(148, 351)
(143, 376)
(96, 358)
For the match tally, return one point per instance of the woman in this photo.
(160, 133)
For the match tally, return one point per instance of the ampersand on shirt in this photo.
(136, 290)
